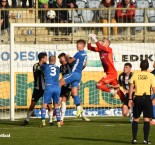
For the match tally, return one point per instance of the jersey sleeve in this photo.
(42, 67)
(132, 80)
(91, 48)
(76, 56)
(120, 79)
(103, 48)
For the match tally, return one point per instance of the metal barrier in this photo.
(82, 15)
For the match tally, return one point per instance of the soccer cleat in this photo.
(134, 141)
(43, 123)
(25, 123)
(146, 142)
(152, 122)
(51, 123)
(58, 124)
(61, 123)
(85, 118)
(78, 113)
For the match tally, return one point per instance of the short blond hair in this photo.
(52, 59)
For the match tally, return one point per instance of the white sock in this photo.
(63, 110)
(78, 108)
(29, 113)
(153, 120)
(50, 113)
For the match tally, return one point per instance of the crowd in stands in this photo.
(119, 15)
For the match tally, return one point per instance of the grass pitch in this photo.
(99, 131)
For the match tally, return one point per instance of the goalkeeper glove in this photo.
(93, 36)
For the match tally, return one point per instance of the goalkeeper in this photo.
(106, 57)
(39, 86)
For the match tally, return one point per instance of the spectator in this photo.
(14, 3)
(5, 16)
(62, 16)
(24, 3)
(126, 16)
(71, 3)
(42, 13)
(104, 15)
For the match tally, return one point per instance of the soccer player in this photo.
(65, 69)
(142, 82)
(39, 86)
(106, 57)
(124, 81)
(74, 77)
(153, 100)
(52, 89)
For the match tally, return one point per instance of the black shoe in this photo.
(25, 123)
(134, 141)
(51, 123)
(146, 142)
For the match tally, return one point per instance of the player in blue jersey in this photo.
(52, 89)
(79, 61)
(153, 100)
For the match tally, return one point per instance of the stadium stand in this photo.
(140, 17)
(88, 10)
(151, 18)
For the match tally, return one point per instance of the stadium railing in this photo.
(80, 15)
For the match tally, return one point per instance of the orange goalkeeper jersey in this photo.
(106, 57)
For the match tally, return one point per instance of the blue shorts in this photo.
(51, 92)
(73, 78)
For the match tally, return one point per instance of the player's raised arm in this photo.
(91, 48)
(102, 45)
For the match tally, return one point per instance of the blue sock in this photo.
(77, 100)
(57, 112)
(43, 113)
(153, 111)
(152, 96)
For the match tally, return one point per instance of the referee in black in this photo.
(38, 91)
(142, 82)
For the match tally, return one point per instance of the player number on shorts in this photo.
(53, 71)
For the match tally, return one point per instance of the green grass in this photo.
(100, 131)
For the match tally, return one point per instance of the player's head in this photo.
(42, 57)
(62, 58)
(52, 59)
(144, 64)
(81, 44)
(105, 42)
(127, 68)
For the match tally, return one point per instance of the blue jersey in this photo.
(80, 59)
(51, 73)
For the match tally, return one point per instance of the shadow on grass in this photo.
(96, 140)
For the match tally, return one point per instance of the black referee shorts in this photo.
(37, 94)
(142, 104)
